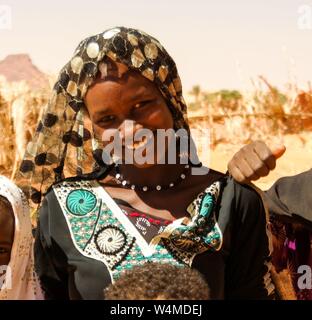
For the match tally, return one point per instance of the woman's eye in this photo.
(3, 250)
(107, 119)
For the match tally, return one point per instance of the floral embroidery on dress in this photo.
(81, 202)
(201, 233)
(99, 233)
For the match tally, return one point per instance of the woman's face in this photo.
(6, 230)
(124, 97)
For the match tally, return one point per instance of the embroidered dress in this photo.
(102, 231)
(86, 239)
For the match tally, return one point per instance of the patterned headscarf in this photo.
(64, 144)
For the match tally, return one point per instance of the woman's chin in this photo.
(144, 165)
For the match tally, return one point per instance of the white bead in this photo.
(133, 187)
(158, 188)
(171, 184)
(187, 166)
(183, 176)
(117, 175)
(124, 183)
(145, 188)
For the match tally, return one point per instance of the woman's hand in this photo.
(254, 161)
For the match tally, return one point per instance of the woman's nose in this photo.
(128, 129)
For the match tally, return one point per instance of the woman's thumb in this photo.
(278, 150)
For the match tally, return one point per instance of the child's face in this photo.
(6, 231)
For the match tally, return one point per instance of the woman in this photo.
(98, 220)
(16, 246)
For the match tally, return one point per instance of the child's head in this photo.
(156, 281)
(6, 230)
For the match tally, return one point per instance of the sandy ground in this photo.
(297, 158)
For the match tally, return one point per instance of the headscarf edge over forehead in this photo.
(64, 144)
(21, 282)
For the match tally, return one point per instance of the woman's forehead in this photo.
(127, 90)
(6, 211)
(119, 75)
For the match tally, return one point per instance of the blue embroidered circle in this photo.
(80, 202)
(207, 205)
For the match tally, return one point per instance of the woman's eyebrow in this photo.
(6, 244)
(134, 98)
(141, 96)
(102, 112)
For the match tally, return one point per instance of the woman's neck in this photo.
(160, 174)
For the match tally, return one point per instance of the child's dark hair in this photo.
(156, 281)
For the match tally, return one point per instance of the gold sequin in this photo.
(149, 74)
(174, 102)
(112, 55)
(151, 51)
(133, 39)
(144, 33)
(172, 90)
(137, 58)
(51, 158)
(110, 33)
(32, 149)
(162, 73)
(182, 100)
(158, 45)
(177, 84)
(93, 50)
(76, 64)
(72, 88)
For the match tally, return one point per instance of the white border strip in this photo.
(64, 210)
(108, 200)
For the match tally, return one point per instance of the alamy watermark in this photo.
(160, 146)
(5, 277)
(304, 21)
(304, 281)
(5, 17)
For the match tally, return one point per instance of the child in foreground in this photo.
(156, 281)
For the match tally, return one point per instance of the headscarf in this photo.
(64, 144)
(21, 282)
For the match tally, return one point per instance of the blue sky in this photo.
(217, 44)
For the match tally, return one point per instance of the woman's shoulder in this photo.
(242, 192)
(232, 200)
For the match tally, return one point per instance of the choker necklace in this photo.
(127, 184)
